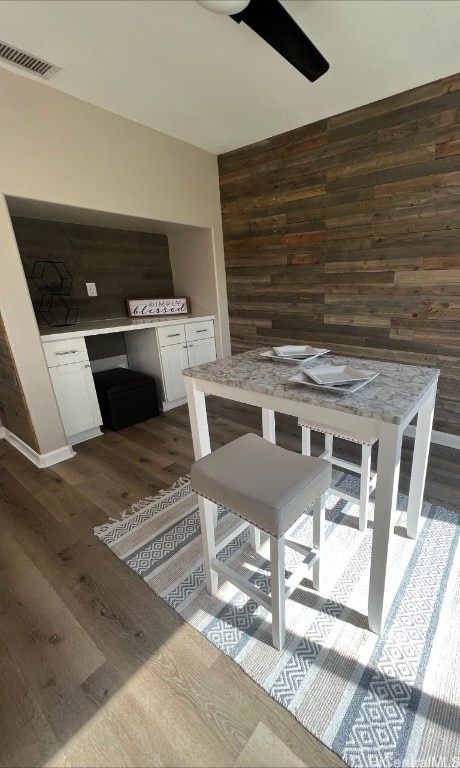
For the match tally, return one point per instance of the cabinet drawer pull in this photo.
(202, 330)
(170, 335)
(69, 352)
(190, 345)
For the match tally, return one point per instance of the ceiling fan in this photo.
(270, 20)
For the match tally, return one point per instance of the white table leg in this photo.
(268, 425)
(419, 464)
(388, 465)
(198, 419)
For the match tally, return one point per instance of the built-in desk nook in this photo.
(77, 268)
(161, 347)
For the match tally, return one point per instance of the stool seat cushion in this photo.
(263, 483)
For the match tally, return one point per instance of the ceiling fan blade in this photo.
(270, 20)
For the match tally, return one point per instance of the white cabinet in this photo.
(201, 351)
(174, 359)
(164, 352)
(74, 388)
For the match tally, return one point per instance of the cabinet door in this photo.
(76, 396)
(174, 359)
(201, 351)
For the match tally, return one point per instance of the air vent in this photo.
(27, 61)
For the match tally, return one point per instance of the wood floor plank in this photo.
(26, 737)
(107, 493)
(81, 467)
(139, 478)
(55, 642)
(264, 748)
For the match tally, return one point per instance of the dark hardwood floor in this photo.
(95, 669)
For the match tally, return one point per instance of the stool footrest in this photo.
(301, 570)
(351, 466)
(354, 498)
(303, 549)
(239, 581)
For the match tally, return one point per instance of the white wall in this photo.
(61, 150)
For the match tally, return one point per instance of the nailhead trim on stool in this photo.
(269, 488)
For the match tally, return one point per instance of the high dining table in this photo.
(381, 409)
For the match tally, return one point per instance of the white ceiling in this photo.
(198, 76)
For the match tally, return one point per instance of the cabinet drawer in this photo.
(172, 335)
(195, 331)
(65, 351)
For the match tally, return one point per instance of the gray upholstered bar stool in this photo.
(368, 478)
(270, 488)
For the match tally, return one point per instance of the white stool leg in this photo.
(268, 425)
(207, 509)
(278, 593)
(306, 441)
(254, 537)
(364, 490)
(319, 514)
(268, 433)
(328, 446)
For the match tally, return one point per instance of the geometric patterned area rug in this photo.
(390, 700)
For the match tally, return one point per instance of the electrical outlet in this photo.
(91, 288)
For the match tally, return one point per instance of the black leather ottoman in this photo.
(125, 397)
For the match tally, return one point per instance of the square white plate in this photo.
(342, 389)
(337, 374)
(294, 360)
(295, 350)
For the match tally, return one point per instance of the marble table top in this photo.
(390, 397)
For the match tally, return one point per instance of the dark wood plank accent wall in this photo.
(346, 233)
(122, 263)
(14, 413)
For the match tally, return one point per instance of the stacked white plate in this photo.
(293, 353)
(341, 379)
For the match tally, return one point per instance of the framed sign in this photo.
(154, 307)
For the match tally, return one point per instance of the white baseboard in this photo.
(88, 434)
(41, 460)
(167, 406)
(439, 438)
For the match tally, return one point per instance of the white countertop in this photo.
(116, 325)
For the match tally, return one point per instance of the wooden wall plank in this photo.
(122, 263)
(346, 234)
